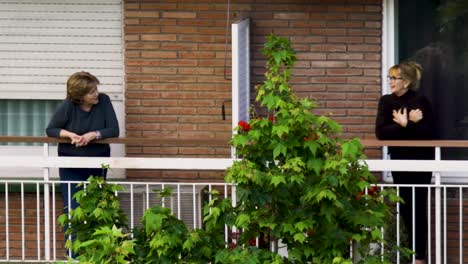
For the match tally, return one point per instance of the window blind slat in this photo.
(42, 42)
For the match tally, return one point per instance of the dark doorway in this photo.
(435, 34)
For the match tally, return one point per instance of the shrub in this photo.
(299, 185)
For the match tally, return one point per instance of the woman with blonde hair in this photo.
(406, 115)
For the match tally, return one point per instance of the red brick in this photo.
(345, 56)
(375, 48)
(363, 80)
(365, 17)
(158, 22)
(142, 46)
(177, 78)
(328, 16)
(344, 104)
(159, 37)
(179, 30)
(158, 70)
(158, 6)
(345, 39)
(200, 70)
(197, 54)
(195, 38)
(328, 64)
(141, 30)
(138, 14)
(130, 6)
(184, 15)
(164, 102)
(179, 46)
(328, 79)
(345, 24)
(273, 23)
(372, 40)
(344, 72)
(364, 64)
(194, 7)
(373, 24)
(291, 15)
(328, 47)
(345, 8)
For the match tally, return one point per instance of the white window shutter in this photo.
(43, 42)
(240, 73)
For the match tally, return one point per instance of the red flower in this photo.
(271, 118)
(232, 246)
(312, 137)
(371, 191)
(244, 126)
(253, 242)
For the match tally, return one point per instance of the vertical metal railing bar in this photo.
(46, 206)
(429, 222)
(210, 196)
(147, 197)
(178, 201)
(7, 224)
(460, 225)
(38, 219)
(54, 226)
(413, 224)
(445, 224)
(225, 226)
(398, 226)
(163, 199)
(23, 254)
(437, 184)
(194, 204)
(69, 215)
(132, 210)
(234, 204)
(382, 230)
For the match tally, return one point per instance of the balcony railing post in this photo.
(438, 233)
(46, 175)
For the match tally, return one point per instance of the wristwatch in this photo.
(98, 135)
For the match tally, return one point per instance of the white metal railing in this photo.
(46, 162)
(186, 202)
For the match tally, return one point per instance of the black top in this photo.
(71, 117)
(387, 129)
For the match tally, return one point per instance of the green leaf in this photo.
(299, 237)
(326, 194)
(315, 164)
(243, 220)
(279, 149)
(302, 226)
(280, 130)
(153, 221)
(276, 180)
(312, 146)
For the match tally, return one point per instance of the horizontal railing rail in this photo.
(225, 142)
(127, 141)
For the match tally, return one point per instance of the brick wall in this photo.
(30, 230)
(176, 63)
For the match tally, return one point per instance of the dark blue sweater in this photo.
(71, 117)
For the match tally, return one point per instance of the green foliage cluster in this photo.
(299, 185)
(298, 181)
(96, 225)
